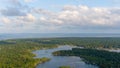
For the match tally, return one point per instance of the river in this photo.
(57, 61)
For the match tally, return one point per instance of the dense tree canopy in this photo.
(101, 58)
(17, 53)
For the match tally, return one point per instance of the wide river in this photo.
(57, 61)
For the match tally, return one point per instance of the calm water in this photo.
(57, 61)
(112, 50)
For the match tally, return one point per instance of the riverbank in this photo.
(57, 61)
(21, 49)
(101, 58)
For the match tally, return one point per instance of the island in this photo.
(101, 58)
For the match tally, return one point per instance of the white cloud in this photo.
(18, 21)
(70, 17)
(27, 18)
(5, 20)
(83, 16)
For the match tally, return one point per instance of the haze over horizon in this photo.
(56, 16)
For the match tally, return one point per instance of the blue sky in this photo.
(59, 16)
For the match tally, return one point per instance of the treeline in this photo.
(17, 53)
(101, 58)
(90, 42)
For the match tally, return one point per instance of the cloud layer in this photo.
(70, 18)
(81, 16)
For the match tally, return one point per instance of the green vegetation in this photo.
(64, 67)
(82, 42)
(101, 58)
(18, 53)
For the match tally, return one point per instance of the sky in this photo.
(59, 16)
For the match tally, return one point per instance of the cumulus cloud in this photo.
(19, 21)
(82, 16)
(70, 17)
(28, 18)
(5, 20)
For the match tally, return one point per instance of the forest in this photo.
(17, 53)
(101, 58)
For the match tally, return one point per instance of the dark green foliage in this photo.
(64, 67)
(6, 42)
(90, 42)
(103, 59)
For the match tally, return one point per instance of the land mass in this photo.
(17, 53)
(101, 58)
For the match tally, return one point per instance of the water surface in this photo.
(57, 61)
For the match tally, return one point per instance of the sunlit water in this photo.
(57, 61)
(112, 50)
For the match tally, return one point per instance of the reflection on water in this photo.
(57, 61)
(112, 50)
